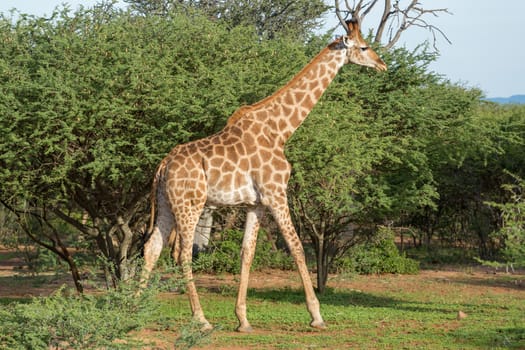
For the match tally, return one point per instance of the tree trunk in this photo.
(75, 274)
(125, 246)
(322, 277)
(322, 266)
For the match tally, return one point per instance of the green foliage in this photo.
(224, 255)
(91, 101)
(377, 256)
(512, 233)
(101, 96)
(270, 18)
(70, 321)
(470, 163)
(365, 154)
(269, 257)
(191, 335)
(45, 260)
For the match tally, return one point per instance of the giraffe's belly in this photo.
(237, 190)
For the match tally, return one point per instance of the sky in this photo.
(487, 50)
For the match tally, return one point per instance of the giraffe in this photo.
(244, 164)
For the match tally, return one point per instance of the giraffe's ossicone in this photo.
(244, 164)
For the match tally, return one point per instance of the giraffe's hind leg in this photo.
(152, 250)
(187, 218)
(175, 245)
(164, 224)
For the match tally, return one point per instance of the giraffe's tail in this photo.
(153, 196)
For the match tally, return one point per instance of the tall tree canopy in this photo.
(270, 19)
(363, 158)
(91, 101)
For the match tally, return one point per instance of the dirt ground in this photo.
(12, 267)
(16, 281)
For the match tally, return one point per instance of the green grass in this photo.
(410, 313)
(362, 312)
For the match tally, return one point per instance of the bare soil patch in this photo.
(17, 281)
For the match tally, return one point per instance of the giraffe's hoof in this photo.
(245, 329)
(206, 327)
(318, 325)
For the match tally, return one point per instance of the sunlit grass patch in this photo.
(410, 312)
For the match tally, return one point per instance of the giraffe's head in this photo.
(357, 49)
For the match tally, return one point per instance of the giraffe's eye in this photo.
(363, 49)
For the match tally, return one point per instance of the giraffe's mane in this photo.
(242, 111)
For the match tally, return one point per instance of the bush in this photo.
(72, 321)
(379, 255)
(225, 255)
(512, 233)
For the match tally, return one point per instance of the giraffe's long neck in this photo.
(285, 110)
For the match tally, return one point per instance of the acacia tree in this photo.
(362, 157)
(470, 168)
(91, 101)
(270, 18)
(360, 160)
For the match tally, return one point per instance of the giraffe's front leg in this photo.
(248, 251)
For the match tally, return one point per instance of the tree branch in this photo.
(387, 12)
(90, 231)
(395, 19)
(412, 16)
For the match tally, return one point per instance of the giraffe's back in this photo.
(215, 170)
